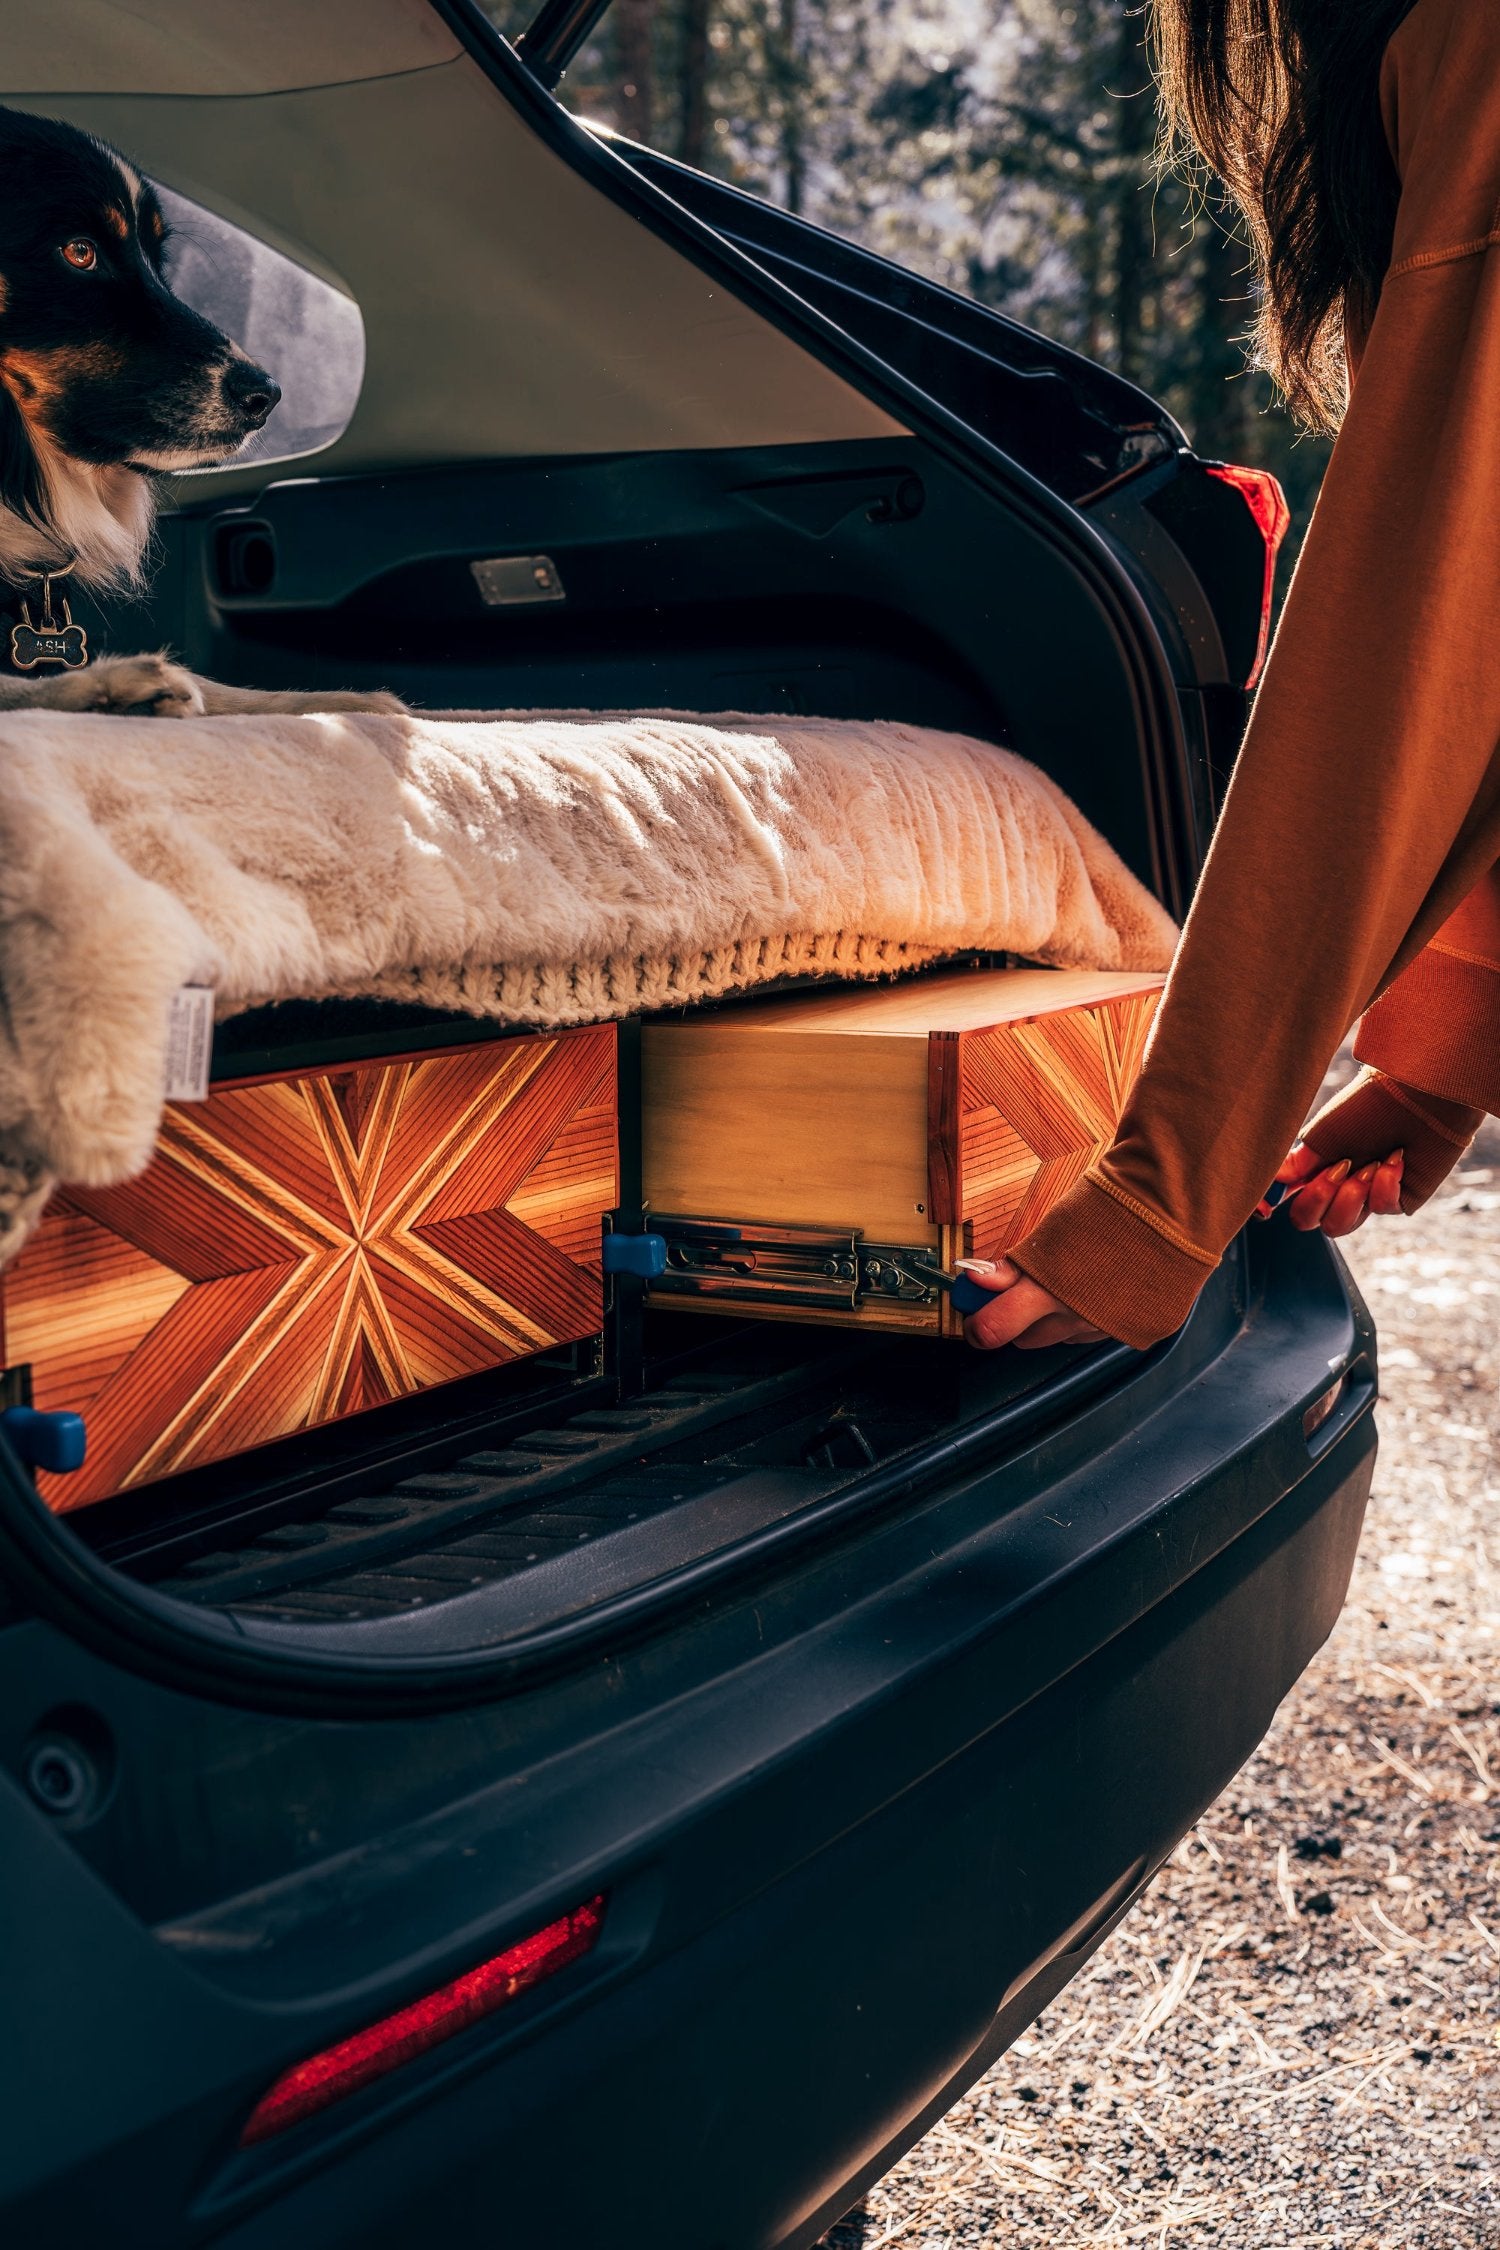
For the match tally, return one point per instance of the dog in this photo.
(108, 383)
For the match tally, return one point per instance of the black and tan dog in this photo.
(107, 382)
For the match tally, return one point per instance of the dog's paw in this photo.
(149, 687)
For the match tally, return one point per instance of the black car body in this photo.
(865, 1684)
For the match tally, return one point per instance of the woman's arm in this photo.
(1431, 1051)
(1366, 802)
(1436, 1029)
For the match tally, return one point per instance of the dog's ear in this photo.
(22, 492)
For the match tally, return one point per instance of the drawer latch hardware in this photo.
(793, 1265)
(517, 581)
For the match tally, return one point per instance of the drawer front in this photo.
(1019, 1111)
(993, 1124)
(304, 1248)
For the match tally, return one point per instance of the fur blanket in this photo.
(543, 869)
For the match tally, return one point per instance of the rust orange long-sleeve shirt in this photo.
(1354, 861)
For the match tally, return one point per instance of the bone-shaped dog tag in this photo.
(54, 641)
(66, 644)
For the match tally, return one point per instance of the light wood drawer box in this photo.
(813, 1157)
(307, 1246)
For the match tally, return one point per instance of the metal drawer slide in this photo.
(833, 1268)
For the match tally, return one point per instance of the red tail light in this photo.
(1263, 496)
(310, 2086)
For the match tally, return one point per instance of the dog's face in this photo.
(101, 362)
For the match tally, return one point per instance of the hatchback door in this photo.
(834, 1694)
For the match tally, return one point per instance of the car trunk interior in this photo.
(844, 586)
(704, 516)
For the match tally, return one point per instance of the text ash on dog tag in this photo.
(55, 640)
(190, 1039)
(31, 645)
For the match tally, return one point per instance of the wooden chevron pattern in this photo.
(1036, 1102)
(306, 1247)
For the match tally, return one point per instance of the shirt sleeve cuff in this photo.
(1436, 1028)
(1109, 1257)
(1377, 1114)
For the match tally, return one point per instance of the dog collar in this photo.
(54, 639)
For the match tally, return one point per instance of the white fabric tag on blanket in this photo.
(190, 1038)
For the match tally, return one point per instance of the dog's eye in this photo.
(80, 252)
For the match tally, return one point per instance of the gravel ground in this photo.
(1294, 2040)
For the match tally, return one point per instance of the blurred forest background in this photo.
(1002, 147)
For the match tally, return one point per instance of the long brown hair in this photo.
(1280, 99)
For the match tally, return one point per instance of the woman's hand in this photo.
(1332, 1198)
(1023, 1313)
(1336, 1199)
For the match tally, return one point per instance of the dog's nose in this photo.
(250, 391)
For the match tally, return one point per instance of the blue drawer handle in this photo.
(966, 1296)
(46, 1441)
(644, 1255)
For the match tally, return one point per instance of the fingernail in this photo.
(1367, 1172)
(1340, 1171)
(1398, 1159)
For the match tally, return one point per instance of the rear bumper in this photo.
(843, 1871)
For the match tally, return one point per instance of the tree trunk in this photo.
(793, 93)
(1135, 136)
(1222, 393)
(692, 131)
(635, 87)
(1092, 277)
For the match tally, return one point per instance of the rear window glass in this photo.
(308, 334)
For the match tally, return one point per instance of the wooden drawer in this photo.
(814, 1157)
(307, 1246)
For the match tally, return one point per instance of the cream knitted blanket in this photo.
(544, 869)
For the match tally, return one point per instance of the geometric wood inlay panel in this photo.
(305, 1247)
(1038, 1102)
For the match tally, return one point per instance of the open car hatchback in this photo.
(620, 1792)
